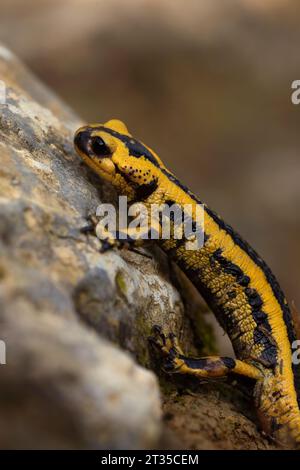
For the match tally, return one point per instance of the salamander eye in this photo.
(99, 147)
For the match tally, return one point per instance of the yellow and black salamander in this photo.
(233, 279)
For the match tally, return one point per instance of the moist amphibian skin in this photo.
(236, 283)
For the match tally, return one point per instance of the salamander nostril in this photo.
(81, 140)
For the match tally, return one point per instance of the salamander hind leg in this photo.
(168, 348)
(174, 360)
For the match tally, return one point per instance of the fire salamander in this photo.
(236, 283)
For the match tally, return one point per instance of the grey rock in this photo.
(63, 384)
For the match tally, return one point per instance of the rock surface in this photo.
(64, 385)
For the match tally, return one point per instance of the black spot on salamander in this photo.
(259, 317)
(254, 298)
(229, 362)
(169, 202)
(189, 222)
(263, 330)
(208, 364)
(194, 363)
(244, 281)
(230, 268)
(232, 294)
(269, 353)
(143, 191)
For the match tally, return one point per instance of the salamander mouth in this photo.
(105, 165)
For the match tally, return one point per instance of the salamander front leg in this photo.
(126, 238)
(174, 361)
(123, 239)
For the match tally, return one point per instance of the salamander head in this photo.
(117, 157)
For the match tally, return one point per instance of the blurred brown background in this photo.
(206, 83)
